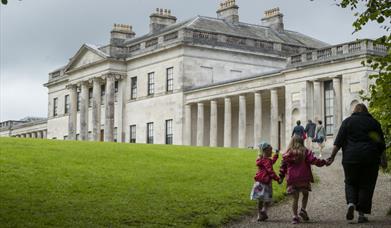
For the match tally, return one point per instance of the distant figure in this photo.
(296, 166)
(310, 131)
(262, 189)
(320, 137)
(298, 130)
(362, 141)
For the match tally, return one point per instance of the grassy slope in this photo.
(85, 184)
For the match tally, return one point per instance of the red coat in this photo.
(299, 172)
(265, 172)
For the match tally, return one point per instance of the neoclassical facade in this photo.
(206, 82)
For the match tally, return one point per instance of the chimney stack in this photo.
(228, 11)
(161, 19)
(120, 33)
(274, 19)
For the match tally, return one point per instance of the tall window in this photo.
(116, 86)
(78, 101)
(150, 133)
(132, 134)
(168, 131)
(115, 134)
(102, 94)
(116, 90)
(66, 104)
(329, 107)
(151, 83)
(133, 88)
(170, 79)
(55, 106)
(90, 97)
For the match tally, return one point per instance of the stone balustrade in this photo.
(337, 51)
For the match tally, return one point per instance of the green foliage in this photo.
(48, 183)
(4, 2)
(379, 94)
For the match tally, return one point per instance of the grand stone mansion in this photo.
(204, 81)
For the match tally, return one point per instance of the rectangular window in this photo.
(151, 83)
(90, 97)
(66, 104)
(78, 101)
(133, 88)
(168, 131)
(55, 106)
(116, 86)
(115, 134)
(329, 107)
(150, 133)
(132, 134)
(102, 94)
(170, 79)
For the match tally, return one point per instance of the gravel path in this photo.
(326, 205)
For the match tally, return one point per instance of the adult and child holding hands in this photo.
(363, 147)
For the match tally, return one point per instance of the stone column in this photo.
(33, 135)
(39, 134)
(317, 102)
(96, 108)
(274, 118)
(121, 108)
(242, 122)
(187, 130)
(45, 134)
(84, 111)
(200, 124)
(337, 104)
(72, 118)
(109, 111)
(257, 118)
(213, 123)
(227, 122)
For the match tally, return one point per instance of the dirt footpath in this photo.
(326, 205)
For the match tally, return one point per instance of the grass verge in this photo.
(86, 184)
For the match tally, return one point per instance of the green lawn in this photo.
(86, 184)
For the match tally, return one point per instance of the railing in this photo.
(341, 50)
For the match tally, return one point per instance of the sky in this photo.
(39, 36)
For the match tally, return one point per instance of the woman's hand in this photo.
(329, 161)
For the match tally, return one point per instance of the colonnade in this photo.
(109, 101)
(42, 134)
(242, 121)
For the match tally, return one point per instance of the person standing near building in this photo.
(362, 141)
(320, 137)
(298, 130)
(310, 131)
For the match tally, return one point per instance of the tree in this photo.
(379, 94)
(4, 2)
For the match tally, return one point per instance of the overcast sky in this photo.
(38, 36)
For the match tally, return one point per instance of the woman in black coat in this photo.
(363, 150)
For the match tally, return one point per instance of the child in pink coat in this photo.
(296, 166)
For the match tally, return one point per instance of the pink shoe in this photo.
(295, 220)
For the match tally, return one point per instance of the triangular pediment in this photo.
(85, 56)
